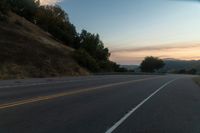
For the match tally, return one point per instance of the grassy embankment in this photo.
(28, 51)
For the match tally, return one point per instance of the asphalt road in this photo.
(101, 104)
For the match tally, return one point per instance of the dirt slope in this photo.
(28, 51)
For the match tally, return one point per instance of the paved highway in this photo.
(101, 104)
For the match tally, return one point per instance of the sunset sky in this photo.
(133, 29)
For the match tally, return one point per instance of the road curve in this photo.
(101, 104)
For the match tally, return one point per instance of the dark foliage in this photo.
(4, 7)
(150, 64)
(184, 71)
(192, 71)
(55, 21)
(85, 60)
(93, 45)
(24, 8)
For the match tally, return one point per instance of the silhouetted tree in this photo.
(150, 64)
(182, 71)
(4, 7)
(86, 61)
(192, 71)
(93, 45)
(55, 20)
(24, 8)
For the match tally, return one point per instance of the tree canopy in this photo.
(150, 64)
(25, 8)
(3, 6)
(93, 45)
(55, 21)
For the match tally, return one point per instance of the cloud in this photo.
(49, 2)
(159, 47)
(177, 51)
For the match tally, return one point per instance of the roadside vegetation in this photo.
(23, 54)
(28, 51)
(151, 64)
(185, 71)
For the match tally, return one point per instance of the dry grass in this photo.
(28, 51)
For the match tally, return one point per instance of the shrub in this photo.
(85, 60)
(4, 6)
(24, 8)
(3, 18)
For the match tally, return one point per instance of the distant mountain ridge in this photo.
(174, 64)
(130, 67)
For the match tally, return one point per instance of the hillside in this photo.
(28, 51)
(175, 65)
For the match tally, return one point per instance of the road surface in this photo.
(101, 104)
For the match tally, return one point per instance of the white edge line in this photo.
(118, 123)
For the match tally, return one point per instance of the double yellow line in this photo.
(53, 96)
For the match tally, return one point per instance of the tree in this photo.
(55, 20)
(24, 8)
(85, 60)
(150, 64)
(182, 71)
(4, 7)
(192, 71)
(93, 45)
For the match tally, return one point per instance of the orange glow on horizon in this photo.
(49, 2)
(135, 57)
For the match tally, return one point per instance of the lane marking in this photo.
(54, 82)
(118, 123)
(53, 96)
(48, 83)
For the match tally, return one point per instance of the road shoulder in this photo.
(197, 80)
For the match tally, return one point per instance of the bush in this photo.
(85, 60)
(3, 7)
(192, 71)
(24, 8)
(3, 18)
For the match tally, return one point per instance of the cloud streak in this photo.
(49, 2)
(177, 51)
(158, 47)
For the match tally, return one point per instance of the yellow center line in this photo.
(53, 96)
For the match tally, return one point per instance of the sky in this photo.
(134, 29)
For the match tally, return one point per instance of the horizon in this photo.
(164, 59)
(134, 29)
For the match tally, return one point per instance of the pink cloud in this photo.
(49, 2)
(135, 56)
